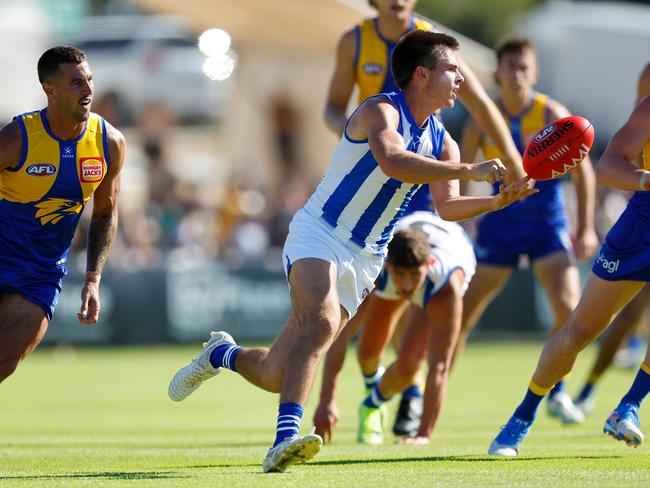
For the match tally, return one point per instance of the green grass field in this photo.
(102, 418)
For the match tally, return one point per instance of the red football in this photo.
(558, 148)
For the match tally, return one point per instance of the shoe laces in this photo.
(516, 429)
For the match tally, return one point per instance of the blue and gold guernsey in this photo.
(536, 226)
(41, 200)
(372, 75)
(625, 253)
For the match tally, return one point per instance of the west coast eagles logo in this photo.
(54, 209)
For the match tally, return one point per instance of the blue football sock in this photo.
(587, 391)
(375, 399)
(559, 386)
(289, 418)
(412, 391)
(224, 356)
(528, 408)
(639, 388)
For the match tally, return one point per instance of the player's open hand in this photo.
(89, 312)
(491, 171)
(585, 243)
(325, 418)
(418, 440)
(513, 192)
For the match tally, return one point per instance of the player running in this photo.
(336, 244)
(626, 321)
(618, 274)
(362, 59)
(537, 227)
(51, 162)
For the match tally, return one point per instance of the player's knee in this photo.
(321, 330)
(577, 336)
(8, 364)
(439, 368)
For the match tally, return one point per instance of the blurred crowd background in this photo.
(215, 169)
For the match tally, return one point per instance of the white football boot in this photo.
(294, 450)
(560, 405)
(189, 378)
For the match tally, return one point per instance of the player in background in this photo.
(362, 59)
(429, 264)
(51, 162)
(618, 274)
(537, 227)
(336, 244)
(627, 320)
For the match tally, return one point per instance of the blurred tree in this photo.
(486, 22)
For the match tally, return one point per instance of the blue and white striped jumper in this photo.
(356, 199)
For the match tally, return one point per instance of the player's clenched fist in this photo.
(492, 170)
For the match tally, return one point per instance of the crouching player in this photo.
(429, 264)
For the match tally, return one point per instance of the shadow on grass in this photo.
(110, 475)
(462, 459)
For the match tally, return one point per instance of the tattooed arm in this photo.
(103, 227)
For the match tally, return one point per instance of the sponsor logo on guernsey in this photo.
(67, 152)
(41, 169)
(365, 293)
(373, 68)
(91, 169)
(609, 265)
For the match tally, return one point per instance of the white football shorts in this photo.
(356, 271)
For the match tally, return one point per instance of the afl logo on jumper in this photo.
(41, 169)
(373, 68)
(91, 169)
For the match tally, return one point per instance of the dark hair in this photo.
(49, 62)
(418, 48)
(409, 249)
(372, 3)
(514, 45)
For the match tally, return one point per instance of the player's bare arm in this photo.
(378, 121)
(615, 168)
(489, 118)
(341, 84)
(584, 179)
(643, 87)
(11, 145)
(103, 227)
(450, 205)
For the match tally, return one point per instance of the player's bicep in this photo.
(106, 194)
(11, 145)
(382, 121)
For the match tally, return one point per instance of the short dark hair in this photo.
(409, 249)
(50, 60)
(418, 48)
(514, 45)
